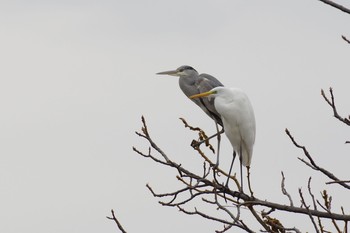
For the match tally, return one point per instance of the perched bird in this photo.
(238, 118)
(192, 83)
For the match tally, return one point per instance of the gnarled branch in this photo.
(213, 192)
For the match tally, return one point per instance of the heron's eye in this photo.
(182, 69)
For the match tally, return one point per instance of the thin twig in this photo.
(313, 163)
(338, 181)
(116, 221)
(202, 136)
(284, 191)
(331, 103)
(314, 203)
(328, 204)
(204, 215)
(257, 217)
(346, 39)
(308, 209)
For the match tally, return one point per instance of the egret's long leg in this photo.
(229, 173)
(249, 185)
(219, 140)
(240, 156)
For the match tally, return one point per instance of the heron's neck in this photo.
(187, 85)
(187, 80)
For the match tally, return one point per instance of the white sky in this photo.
(76, 76)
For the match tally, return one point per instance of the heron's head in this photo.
(182, 71)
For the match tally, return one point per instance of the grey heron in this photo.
(192, 83)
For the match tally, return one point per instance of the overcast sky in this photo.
(76, 76)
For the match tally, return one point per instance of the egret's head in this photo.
(182, 71)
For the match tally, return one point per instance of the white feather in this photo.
(238, 118)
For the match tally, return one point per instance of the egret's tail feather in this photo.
(246, 155)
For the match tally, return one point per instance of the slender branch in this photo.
(308, 210)
(257, 217)
(116, 221)
(312, 162)
(314, 203)
(196, 212)
(202, 136)
(346, 39)
(284, 191)
(338, 181)
(328, 204)
(336, 5)
(234, 218)
(331, 103)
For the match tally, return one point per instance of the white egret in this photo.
(238, 118)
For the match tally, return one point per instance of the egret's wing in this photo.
(239, 122)
(247, 125)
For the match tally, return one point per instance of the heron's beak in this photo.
(170, 72)
(204, 94)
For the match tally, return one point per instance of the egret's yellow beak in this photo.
(204, 94)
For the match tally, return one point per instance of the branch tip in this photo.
(114, 218)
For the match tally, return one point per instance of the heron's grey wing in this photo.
(205, 83)
(189, 87)
(211, 80)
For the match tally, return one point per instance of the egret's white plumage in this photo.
(238, 118)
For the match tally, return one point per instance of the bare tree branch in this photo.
(336, 5)
(116, 221)
(299, 210)
(284, 191)
(207, 188)
(196, 186)
(332, 104)
(313, 164)
(308, 210)
(338, 181)
(346, 39)
(314, 201)
(257, 217)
